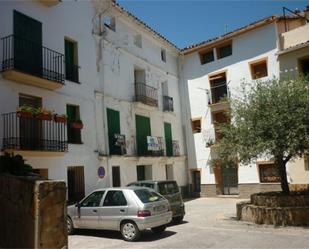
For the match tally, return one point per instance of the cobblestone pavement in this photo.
(209, 223)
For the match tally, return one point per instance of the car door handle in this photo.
(122, 210)
(94, 210)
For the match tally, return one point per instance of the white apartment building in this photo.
(214, 70)
(48, 59)
(96, 63)
(137, 107)
(138, 92)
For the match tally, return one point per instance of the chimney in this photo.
(306, 13)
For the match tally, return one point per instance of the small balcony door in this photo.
(27, 44)
(30, 129)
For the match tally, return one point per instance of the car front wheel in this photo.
(129, 231)
(159, 229)
(70, 226)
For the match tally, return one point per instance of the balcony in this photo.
(217, 98)
(295, 38)
(29, 63)
(176, 149)
(33, 134)
(149, 146)
(146, 94)
(168, 104)
(117, 144)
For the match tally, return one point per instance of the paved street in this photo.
(209, 223)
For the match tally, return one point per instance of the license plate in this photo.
(159, 208)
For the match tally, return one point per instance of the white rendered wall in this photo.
(73, 20)
(250, 46)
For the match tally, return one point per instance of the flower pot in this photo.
(76, 125)
(24, 114)
(44, 116)
(60, 119)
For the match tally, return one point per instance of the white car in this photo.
(128, 210)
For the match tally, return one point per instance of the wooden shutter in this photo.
(27, 44)
(113, 126)
(168, 139)
(142, 131)
(76, 183)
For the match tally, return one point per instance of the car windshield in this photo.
(147, 196)
(167, 188)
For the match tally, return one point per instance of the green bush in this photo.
(14, 164)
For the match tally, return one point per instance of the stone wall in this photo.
(32, 213)
(275, 209)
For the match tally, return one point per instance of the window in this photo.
(116, 176)
(163, 55)
(71, 60)
(168, 139)
(207, 57)
(169, 172)
(137, 39)
(268, 172)
(258, 69)
(109, 22)
(220, 117)
(306, 161)
(218, 87)
(196, 125)
(93, 200)
(168, 188)
(113, 126)
(304, 65)
(224, 51)
(143, 130)
(76, 183)
(147, 196)
(147, 185)
(74, 135)
(144, 172)
(115, 198)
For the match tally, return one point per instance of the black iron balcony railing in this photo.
(23, 133)
(176, 149)
(117, 144)
(153, 146)
(29, 57)
(168, 104)
(146, 94)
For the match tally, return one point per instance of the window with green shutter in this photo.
(168, 139)
(27, 44)
(74, 135)
(71, 60)
(140, 171)
(113, 126)
(142, 131)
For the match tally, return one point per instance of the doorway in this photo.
(196, 181)
(116, 176)
(76, 183)
(30, 129)
(229, 179)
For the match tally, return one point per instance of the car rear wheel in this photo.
(70, 226)
(159, 229)
(129, 231)
(178, 219)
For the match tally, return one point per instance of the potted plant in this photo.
(60, 118)
(78, 124)
(44, 114)
(25, 111)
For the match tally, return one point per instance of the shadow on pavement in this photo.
(146, 235)
(172, 224)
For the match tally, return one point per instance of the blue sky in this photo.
(186, 22)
